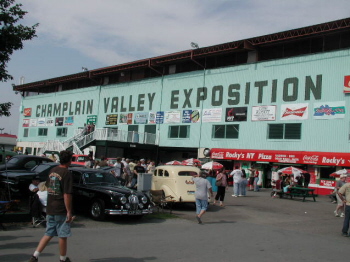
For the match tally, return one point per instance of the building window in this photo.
(225, 131)
(150, 129)
(42, 132)
(284, 131)
(25, 132)
(62, 132)
(179, 131)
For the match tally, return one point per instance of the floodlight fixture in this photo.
(194, 45)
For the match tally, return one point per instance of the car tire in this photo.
(97, 209)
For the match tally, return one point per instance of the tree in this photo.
(12, 35)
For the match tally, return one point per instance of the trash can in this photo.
(144, 182)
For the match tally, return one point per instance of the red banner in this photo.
(290, 157)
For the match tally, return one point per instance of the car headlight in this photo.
(127, 206)
(141, 206)
(122, 200)
(144, 200)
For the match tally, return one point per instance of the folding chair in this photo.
(160, 201)
(37, 211)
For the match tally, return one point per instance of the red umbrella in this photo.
(340, 172)
(191, 162)
(174, 163)
(212, 166)
(291, 170)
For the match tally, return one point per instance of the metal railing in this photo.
(79, 140)
(52, 145)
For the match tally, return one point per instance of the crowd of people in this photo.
(125, 169)
(216, 181)
(207, 183)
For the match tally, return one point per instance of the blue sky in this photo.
(87, 33)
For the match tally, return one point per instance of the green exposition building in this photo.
(271, 101)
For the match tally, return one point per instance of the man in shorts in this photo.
(59, 207)
(203, 186)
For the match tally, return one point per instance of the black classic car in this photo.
(18, 181)
(101, 193)
(24, 162)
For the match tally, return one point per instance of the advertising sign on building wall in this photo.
(294, 111)
(140, 118)
(263, 113)
(329, 110)
(234, 114)
(111, 119)
(190, 116)
(25, 122)
(346, 84)
(50, 121)
(69, 120)
(160, 117)
(41, 121)
(123, 119)
(27, 112)
(212, 115)
(59, 121)
(151, 118)
(172, 117)
(33, 122)
(130, 118)
(91, 119)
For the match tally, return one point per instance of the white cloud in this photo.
(112, 31)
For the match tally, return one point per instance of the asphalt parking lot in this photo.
(246, 229)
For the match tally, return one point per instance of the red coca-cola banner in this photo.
(290, 157)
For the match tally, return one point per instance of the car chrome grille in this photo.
(134, 202)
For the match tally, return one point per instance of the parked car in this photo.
(18, 181)
(6, 155)
(80, 159)
(24, 162)
(101, 193)
(175, 181)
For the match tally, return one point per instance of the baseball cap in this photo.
(343, 175)
(36, 177)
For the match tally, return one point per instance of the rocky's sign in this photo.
(292, 157)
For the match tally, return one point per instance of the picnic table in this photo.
(301, 192)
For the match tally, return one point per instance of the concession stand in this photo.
(318, 164)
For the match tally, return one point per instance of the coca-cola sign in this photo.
(310, 159)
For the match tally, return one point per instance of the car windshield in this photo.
(82, 158)
(187, 173)
(99, 178)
